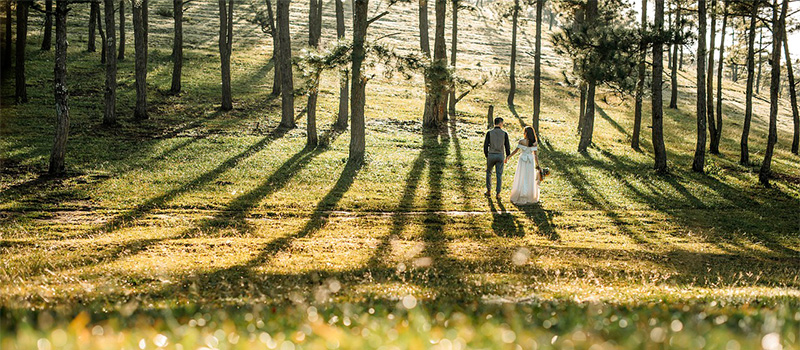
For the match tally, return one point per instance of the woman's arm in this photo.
(511, 155)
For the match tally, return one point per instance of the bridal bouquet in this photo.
(543, 173)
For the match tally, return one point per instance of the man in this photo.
(496, 148)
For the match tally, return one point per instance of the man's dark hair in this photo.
(498, 120)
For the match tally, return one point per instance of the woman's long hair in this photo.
(530, 135)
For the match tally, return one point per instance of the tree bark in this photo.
(716, 135)
(637, 112)
(110, 111)
(102, 35)
(60, 91)
(774, 87)
(453, 49)
(699, 162)
(588, 117)
(121, 55)
(21, 94)
(744, 158)
(537, 68)
(712, 125)
(94, 9)
(311, 113)
(314, 22)
(225, 41)
(582, 107)
(358, 98)
(47, 38)
(512, 75)
(659, 151)
(6, 64)
(276, 78)
(439, 98)
(424, 40)
(344, 80)
(140, 53)
(673, 100)
(285, 47)
(792, 92)
(177, 46)
(314, 33)
(760, 60)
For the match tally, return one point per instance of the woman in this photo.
(526, 180)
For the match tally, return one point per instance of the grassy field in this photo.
(202, 228)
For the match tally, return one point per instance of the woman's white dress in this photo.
(526, 182)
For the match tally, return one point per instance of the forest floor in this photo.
(160, 224)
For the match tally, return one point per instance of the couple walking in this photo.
(497, 150)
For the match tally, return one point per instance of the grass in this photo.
(201, 215)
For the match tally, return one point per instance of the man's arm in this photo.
(508, 146)
(486, 145)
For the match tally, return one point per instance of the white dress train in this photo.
(526, 179)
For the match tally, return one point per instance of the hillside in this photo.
(200, 207)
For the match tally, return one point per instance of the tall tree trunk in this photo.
(424, 40)
(21, 94)
(669, 25)
(94, 9)
(311, 113)
(285, 47)
(276, 77)
(699, 162)
(436, 99)
(582, 107)
(225, 41)
(537, 68)
(680, 59)
(659, 151)
(453, 49)
(744, 157)
(121, 55)
(712, 125)
(6, 64)
(588, 119)
(47, 38)
(716, 135)
(140, 53)
(358, 98)
(673, 100)
(60, 91)
(637, 111)
(177, 46)
(551, 19)
(314, 22)
(439, 98)
(344, 80)
(102, 35)
(314, 33)
(792, 92)
(512, 75)
(760, 60)
(774, 87)
(110, 111)
(588, 123)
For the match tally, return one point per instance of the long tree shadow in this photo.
(740, 213)
(588, 194)
(134, 246)
(316, 222)
(129, 216)
(543, 219)
(504, 224)
(235, 213)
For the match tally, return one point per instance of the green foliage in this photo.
(604, 50)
